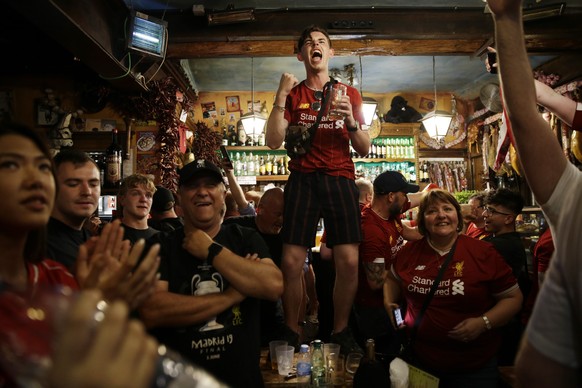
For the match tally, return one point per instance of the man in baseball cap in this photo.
(197, 168)
(393, 182)
(163, 215)
(212, 277)
(384, 235)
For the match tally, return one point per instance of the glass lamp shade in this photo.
(253, 123)
(437, 123)
(369, 108)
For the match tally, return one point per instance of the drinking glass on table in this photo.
(352, 363)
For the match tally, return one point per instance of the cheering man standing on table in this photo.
(321, 183)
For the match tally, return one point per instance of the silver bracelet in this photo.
(487, 322)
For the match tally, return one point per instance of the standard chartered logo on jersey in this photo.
(422, 285)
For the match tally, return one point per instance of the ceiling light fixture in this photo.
(231, 16)
(436, 123)
(369, 105)
(253, 122)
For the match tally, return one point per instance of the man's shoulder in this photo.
(246, 221)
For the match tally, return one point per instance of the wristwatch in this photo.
(354, 129)
(213, 250)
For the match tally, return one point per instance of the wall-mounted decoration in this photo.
(232, 104)
(146, 141)
(208, 110)
(426, 104)
(46, 116)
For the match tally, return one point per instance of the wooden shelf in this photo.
(272, 178)
(253, 148)
(380, 160)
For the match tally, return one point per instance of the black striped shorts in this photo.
(310, 196)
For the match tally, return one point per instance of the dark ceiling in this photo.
(396, 52)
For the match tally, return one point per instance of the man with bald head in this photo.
(268, 222)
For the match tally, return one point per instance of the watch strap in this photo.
(213, 250)
(353, 129)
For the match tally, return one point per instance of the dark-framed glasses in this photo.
(316, 106)
(490, 211)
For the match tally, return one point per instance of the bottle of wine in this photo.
(114, 158)
(371, 372)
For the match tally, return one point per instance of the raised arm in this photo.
(236, 190)
(561, 106)
(539, 152)
(277, 124)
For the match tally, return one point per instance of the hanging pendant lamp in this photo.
(436, 123)
(369, 104)
(253, 122)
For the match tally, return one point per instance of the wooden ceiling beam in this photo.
(394, 32)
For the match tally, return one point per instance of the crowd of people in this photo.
(217, 281)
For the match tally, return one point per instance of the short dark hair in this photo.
(506, 198)
(70, 155)
(306, 34)
(35, 246)
(479, 196)
(432, 197)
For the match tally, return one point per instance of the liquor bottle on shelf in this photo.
(114, 158)
(250, 164)
(282, 169)
(262, 169)
(269, 165)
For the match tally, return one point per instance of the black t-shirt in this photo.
(274, 241)
(166, 224)
(228, 346)
(63, 242)
(271, 316)
(133, 235)
(510, 246)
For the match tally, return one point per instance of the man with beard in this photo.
(321, 183)
(383, 236)
(79, 188)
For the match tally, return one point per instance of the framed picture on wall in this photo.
(232, 104)
(45, 116)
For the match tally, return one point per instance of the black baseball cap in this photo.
(163, 200)
(197, 167)
(393, 182)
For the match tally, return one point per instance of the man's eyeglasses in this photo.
(316, 106)
(490, 211)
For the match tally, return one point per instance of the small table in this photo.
(273, 379)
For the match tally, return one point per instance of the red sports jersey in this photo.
(26, 323)
(475, 232)
(476, 273)
(330, 148)
(382, 239)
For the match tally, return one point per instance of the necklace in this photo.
(314, 89)
(378, 214)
